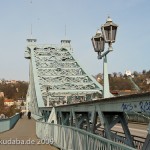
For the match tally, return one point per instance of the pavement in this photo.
(135, 129)
(23, 137)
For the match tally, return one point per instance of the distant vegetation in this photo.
(14, 91)
(119, 81)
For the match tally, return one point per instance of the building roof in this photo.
(8, 100)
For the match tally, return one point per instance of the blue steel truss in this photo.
(56, 77)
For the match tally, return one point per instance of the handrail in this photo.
(137, 140)
(36, 117)
(71, 138)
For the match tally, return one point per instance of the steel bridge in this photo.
(67, 102)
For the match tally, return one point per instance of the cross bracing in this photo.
(57, 77)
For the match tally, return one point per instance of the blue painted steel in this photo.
(36, 117)
(71, 138)
(129, 103)
(36, 81)
(56, 77)
(106, 90)
(7, 124)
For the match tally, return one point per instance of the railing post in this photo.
(146, 145)
(108, 146)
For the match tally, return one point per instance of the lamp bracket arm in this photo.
(104, 54)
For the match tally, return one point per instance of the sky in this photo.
(82, 18)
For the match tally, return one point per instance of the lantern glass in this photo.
(114, 31)
(107, 33)
(102, 44)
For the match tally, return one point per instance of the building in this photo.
(8, 102)
(148, 81)
(128, 72)
(13, 81)
(1, 94)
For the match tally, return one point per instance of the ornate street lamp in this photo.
(109, 30)
(108, 35)
(98, 42)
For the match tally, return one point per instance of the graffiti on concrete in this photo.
(144, 106)
(127, 107)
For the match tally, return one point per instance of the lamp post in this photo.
(108, 35)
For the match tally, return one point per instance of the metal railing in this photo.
(8, 123)
(37, 117)
(138, 117)
(137, 140)
(71, 138)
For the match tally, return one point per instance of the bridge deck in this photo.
(24, 131)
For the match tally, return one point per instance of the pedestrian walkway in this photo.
(20, 137)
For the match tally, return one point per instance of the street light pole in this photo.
(106, 91)
(108, 35)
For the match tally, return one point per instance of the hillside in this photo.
(122, 82)
(15, 90)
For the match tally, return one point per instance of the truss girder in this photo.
(58, 76)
